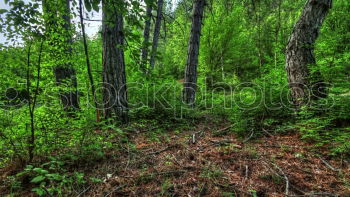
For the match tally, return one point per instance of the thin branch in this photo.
(329, 166)
(285, 178)
(160, 151)
(38, 76)
(250, 136)
(85, 190)
(87, 57)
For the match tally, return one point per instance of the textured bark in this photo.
(299, 53)
(146, 35)
(114, 78)
(189, 91)
(156, 32)
(64, 73)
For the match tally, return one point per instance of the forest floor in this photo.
(209, 161)
(200, 162)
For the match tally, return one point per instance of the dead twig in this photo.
(314, 194)
(285, 178)
(250, 136)
(85, 190)
(268, 133)
(283, 174)
(119, 187)
(203, 190)
(223, 129)
(224, 142)
(47, 192)
(194, 136)
(160, 151)
(329, 165)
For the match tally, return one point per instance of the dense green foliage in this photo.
(241, 79)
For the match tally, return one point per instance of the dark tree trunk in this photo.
(157, 27)
(300, 55)
(115, 90)
(189, 91)
(146, 34)
(64, 73)
(69, 98)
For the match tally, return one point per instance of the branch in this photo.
(160, 151)
(329, 166)
(285, 178)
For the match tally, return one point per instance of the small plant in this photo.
(166, 188)
(253, 192)
(51, 178)
(251, 152)
(211, 172)
(274, 178)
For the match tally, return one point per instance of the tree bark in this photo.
(189, 91)
(114, 78)
(300, 55)
(146, 35)
(156, 32)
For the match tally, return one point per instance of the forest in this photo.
(175, 98)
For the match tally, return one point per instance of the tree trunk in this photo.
(189, 91)
(146, 34)
(64, 73)
(299, 53)
(156, 32)
(114, 78)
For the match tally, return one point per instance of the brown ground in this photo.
(200, 163)
(221, 166)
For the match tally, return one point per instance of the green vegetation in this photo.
(69, 100)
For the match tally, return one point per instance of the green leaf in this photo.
(37, 179)
(39, 191)
(2, 11)
(54, 176)
(95, 180)
(29, 167)
(87, 5)
(40, 171)
(95, 4)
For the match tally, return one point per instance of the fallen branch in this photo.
(285, 178)
(194, 136)
(223, 129)
(203, 190)
(329, 165)
(119, 187)
(85, 190)
(250, 136)
(268, 133)
(312, 194)
(160, 151)
(326, 194)
(224, 142)
(283, 174)
(246, 171)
